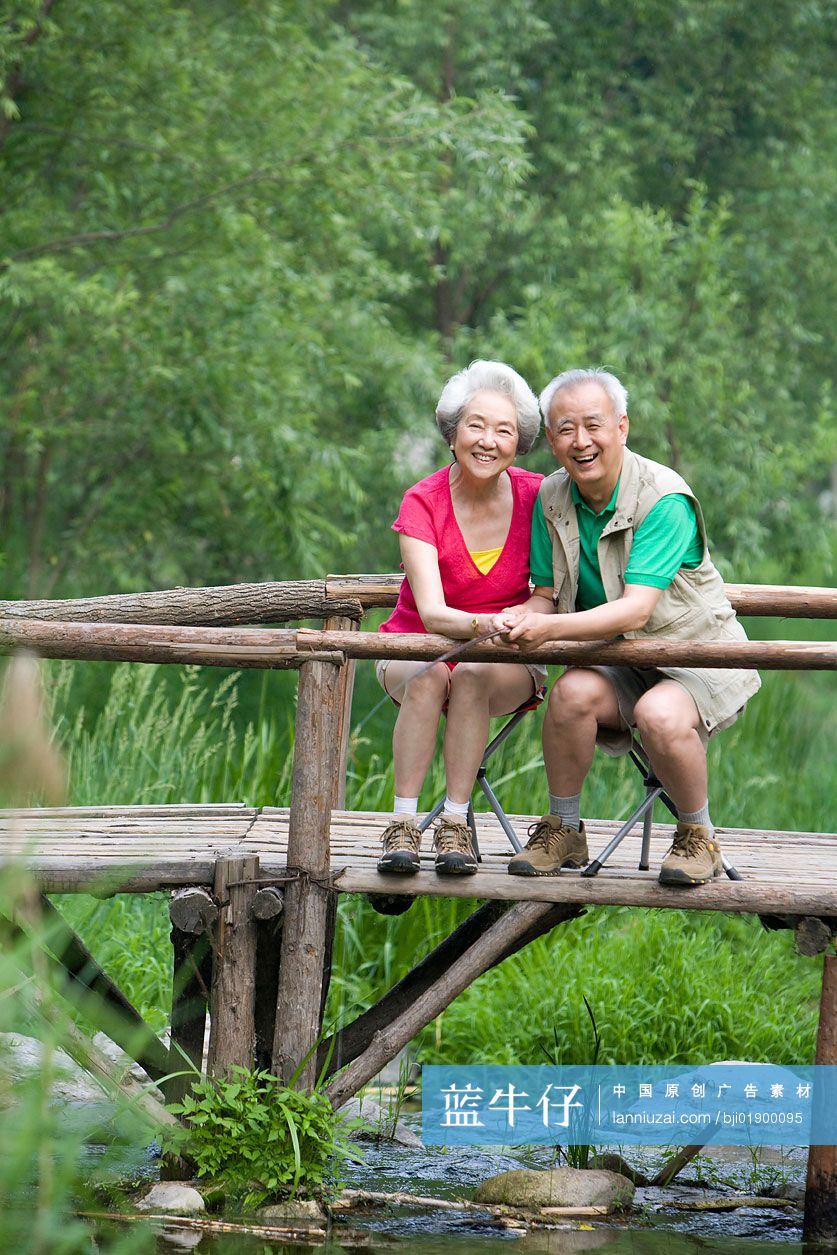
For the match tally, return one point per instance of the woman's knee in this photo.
(471, 681)
(427, 688)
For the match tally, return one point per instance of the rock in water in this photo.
(383, 1123)
(615, 1163)
(559, 1187)
(173, 1198)
(294, 1212)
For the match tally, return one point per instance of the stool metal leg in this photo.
(645, 852)
(434, 814)
(472, 824)
(645, 811)
(645, 807)
(498, 811)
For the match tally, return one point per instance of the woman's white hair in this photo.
(572, 378)
(490, 377)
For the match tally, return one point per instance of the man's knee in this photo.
(580, 694)
(664, 715)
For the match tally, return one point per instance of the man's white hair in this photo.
(489, 377)
(617, 394)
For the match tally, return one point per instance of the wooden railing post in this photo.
(820, 1222)
(305, 938)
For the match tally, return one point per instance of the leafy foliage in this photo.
(263, 1138)
(241, 247)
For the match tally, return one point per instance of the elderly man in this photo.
(619, 550)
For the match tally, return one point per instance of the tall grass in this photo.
(45, 1176)
(664, 986)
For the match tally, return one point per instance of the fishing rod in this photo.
(448, 656)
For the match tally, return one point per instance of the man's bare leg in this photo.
(668, 722)
(580, 703)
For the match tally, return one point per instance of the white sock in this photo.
(456, 808)
(698, 817)
(567, 808)
(405, 806)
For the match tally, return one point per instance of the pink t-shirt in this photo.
(427, 514)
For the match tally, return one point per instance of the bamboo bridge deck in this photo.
(143, 848)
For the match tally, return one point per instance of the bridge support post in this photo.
(193, 913)
(305, 934)
(232, 998)
(820, 1223)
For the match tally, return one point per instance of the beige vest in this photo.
(693, 607)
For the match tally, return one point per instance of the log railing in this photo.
(278, 648)
(232, 604)
(780, 600)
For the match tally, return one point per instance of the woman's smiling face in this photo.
(485, 443)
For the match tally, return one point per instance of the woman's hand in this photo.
(533, 628)
(504, 620)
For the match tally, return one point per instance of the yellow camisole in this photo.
(484, 559)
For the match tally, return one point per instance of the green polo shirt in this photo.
(668, 539)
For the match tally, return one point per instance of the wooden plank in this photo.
(280, 601)
(641, 889)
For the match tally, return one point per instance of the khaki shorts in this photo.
(537, 672)
(630, 683)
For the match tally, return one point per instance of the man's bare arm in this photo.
(629, 613)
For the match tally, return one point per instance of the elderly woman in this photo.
(465, 534)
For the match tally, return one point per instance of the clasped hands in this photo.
(518, 626)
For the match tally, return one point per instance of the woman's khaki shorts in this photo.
(537, 672)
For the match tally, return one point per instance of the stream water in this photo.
(653, 1227)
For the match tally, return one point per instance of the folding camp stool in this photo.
(644, 812)
(531, 703)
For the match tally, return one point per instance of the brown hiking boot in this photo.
(454, 850)
(694, 857)
(401, 843)
(551, 846)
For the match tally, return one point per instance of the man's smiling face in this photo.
(588, 439)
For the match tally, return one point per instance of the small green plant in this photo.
(263, 1138)
(749, 1175)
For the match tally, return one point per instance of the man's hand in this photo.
(504, 620)
(532, 628)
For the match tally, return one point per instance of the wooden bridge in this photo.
(244, 876)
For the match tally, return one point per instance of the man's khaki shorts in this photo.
(630, 683)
